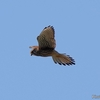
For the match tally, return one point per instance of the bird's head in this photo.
(34, 50)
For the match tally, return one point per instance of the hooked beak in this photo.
(31, 52)
(31, 47)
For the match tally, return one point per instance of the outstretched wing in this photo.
(46, 38)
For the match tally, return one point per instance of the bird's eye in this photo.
(34, 51)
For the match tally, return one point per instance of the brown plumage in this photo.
(47, 46)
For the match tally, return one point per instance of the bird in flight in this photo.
(46, 47)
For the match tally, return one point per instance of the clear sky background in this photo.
(77, 33)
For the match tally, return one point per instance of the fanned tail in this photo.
(62, 59)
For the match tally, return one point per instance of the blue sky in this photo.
(77, 27)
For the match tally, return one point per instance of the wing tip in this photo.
(50, 26)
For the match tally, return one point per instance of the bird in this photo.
(46, 48)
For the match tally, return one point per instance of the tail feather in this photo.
(57, 61)
(63, 59)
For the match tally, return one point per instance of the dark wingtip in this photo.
(50, 27)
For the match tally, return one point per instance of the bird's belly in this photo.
(45, 53)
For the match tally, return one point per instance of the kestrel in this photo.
(47, 44)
